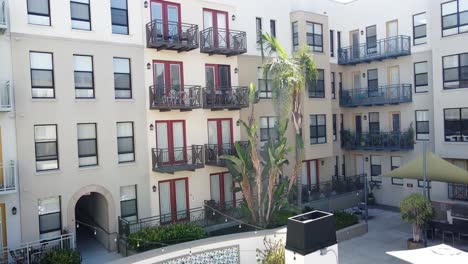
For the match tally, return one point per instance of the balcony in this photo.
(223, 42)
(8, 178)
(335, 187)
(164, 35)
(458, 192)
(5, 97)
(177, 159)
(3, 24)
(375, 51)
(213, 153)
(231, 98)
(166, 100)
(390, 141)
(382, 95)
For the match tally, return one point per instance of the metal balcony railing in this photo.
(337, 186)
(8, 178)
(167, 35)
(3, 22)
(223, 41)
(214, 152)
(168, 99)
(375, 51)
(458, 192)
(392, 141)
(5, 97)
(177, 159)
(226, 98)
(387, 94)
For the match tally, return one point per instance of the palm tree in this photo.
(290, 75)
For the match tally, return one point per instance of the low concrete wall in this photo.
(351, 232)
(337, 203)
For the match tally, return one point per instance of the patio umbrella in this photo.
(437, 170)
(432, 255)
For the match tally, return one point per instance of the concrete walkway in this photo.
(92, 252)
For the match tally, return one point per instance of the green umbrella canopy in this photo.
(437, 169)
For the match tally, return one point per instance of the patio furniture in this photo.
(450, 233)
(461, 226)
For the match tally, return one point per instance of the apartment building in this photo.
(78, 73)
(10, 231)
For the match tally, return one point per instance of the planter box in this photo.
(310, 232)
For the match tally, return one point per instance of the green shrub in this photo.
(155, 237)
(416, 210)
(343, 220)
(274, 252)
(280, 218)
(61, 256)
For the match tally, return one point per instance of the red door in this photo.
(310, 174)
(218, 21)
(218, 76)
(166, 19)
(170, 141)
(173, 200)
(168, 77)
(221, 189)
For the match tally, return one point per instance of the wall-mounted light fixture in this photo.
(236, 70)
(365, 117)
(148, 66)
(362, 32)
(151, 127)
(238, 122)
(363, 75)
(14, 210)
(367, 159)
(154, 188)
(146, 4)
(322, 162)
(233, 17)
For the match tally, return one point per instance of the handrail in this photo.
(213, 152)
(384, 94)
(336, 186)
(225, 97)
(183, 156)
(231, 42)
(188, 96)
(377, 140)
(170, 32)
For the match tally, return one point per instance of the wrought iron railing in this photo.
(166, 99)
(387, 94)
(31, 253)
(337, 186)
(5, 96)
(379, 50)
(177, 159)
(458, 192)
(226, 97)
(8, 178)
(213, 152)
(393, 141)
(171, 35)
(223, 41)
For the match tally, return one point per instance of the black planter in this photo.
(310, 232)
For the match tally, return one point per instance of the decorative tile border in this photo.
(225, 255)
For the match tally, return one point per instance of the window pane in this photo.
(83, 63)
(127, 192)
(318, 29)
(41, 78)
(122, 4)
(422, 115)
(119, 17)
(87, 147)
(452, 114)
(40, 7)
(121, 65)
(125, 145)
(41, 60)
(122, 81)
(420, 67)
(125, 129)
(42, 133)
(86, 131)
(451, 61)
(420, 19)
(449, 8)
(421, 79)
(46, 150)
(79, 11)
(49, 205)
(50, 222)
(128, 208)
(420, 31)
(84, 79)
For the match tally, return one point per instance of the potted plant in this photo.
(370, 199)
(416, 210)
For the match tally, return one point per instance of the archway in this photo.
(91, 215)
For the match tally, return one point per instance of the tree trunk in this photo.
(299, 173)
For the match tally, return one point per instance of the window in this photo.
(310, 174)
(84, 77)
(374, 123)
(39, 12)
(119, 17)
(337, 159)
(273, 28)
(87, 145)
(332, 43)
(125, 142)
(170, 141)
(338, 39)
(268, 128)
(341, 122)
(128, 202)
(455, 71)
(419, 29)
(395, 164)
(318, 129)
(422, 125)
(264, 84)
(258, 25)
(454, 17)
(340, 82)
(332, 77)
(122, 78)
(376, 168)
(314, 36)
(45, 141)
(80, 14)
(420, 77)
(334, 127)
(50, 220)
(421, 184)
(343, 166)
(371, 39)
(222, 189)
(317, 87)
(42, 75)
(373, 82)
(173, 200)
(456, 124)
(295, 36)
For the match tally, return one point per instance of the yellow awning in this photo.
(437, 169)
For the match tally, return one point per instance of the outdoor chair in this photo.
(450, 233)
(462, 227)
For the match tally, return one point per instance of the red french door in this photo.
(171, 142)
(221, 189)
(310, 174)
(218, 76)
(218, 20)
(173, 200)
(166, 18)
(168, 76)
(219, 137)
